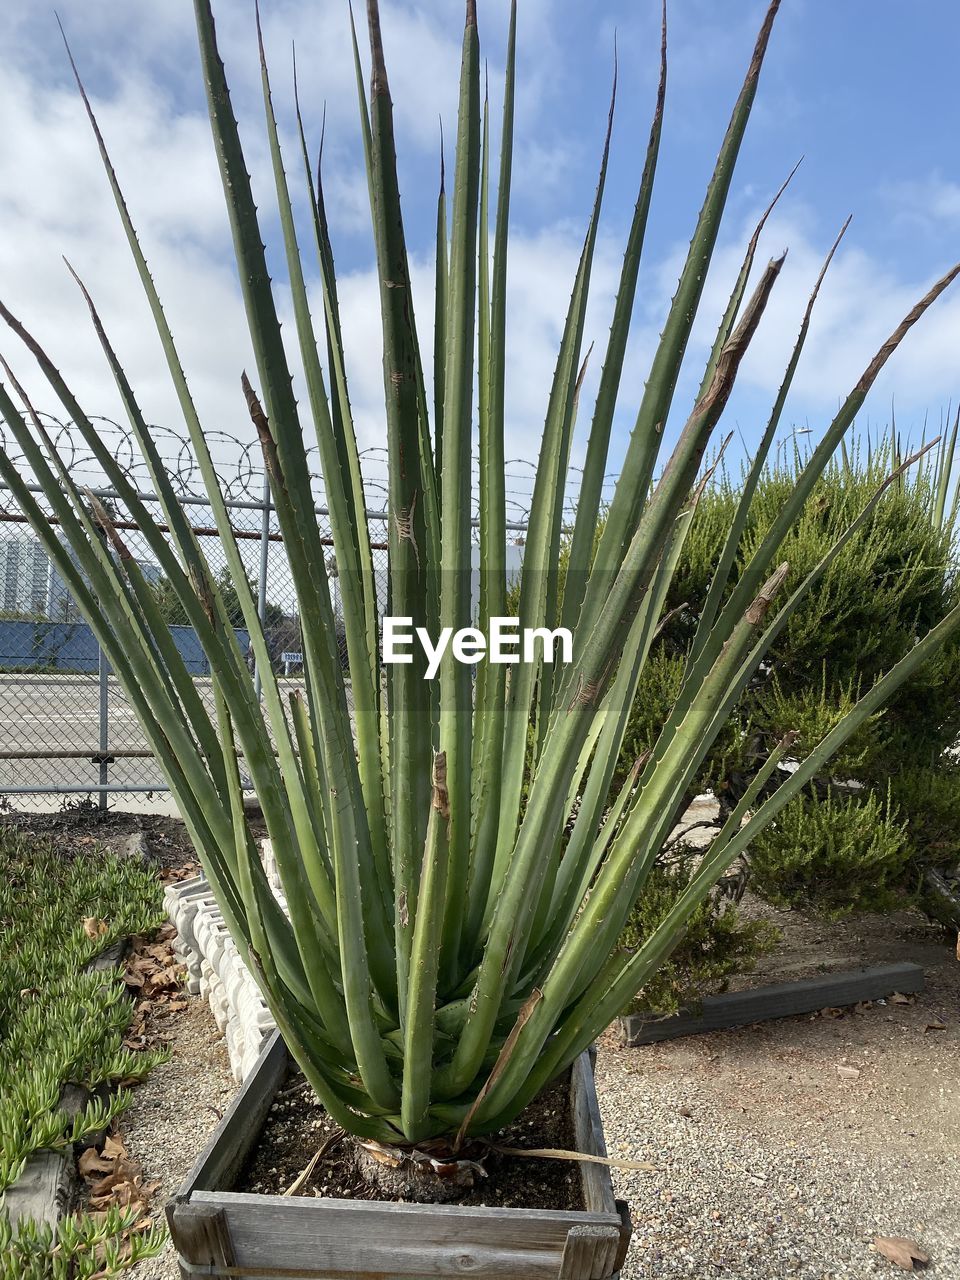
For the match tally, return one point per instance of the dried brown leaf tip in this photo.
(262, 424)
(763, 39)
(255, 408)
(378, 66)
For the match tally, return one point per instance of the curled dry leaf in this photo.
(461, 1170)
(113, 1179)
(156, 980)
(113, 1148)
(899, 998)
(902, 1252)
(936, 1025)
(91, 1163)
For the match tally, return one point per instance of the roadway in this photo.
(50, 713)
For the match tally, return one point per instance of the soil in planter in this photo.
(297, 1127)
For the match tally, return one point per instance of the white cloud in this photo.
(928, 204)
(54, 199)
(860, 304)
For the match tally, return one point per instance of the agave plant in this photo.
(451, 942)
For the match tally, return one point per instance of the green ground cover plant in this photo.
(62, 1025)
(452, 943)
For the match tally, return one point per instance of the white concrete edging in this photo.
(215, 970)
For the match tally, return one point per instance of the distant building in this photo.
(31, 585)
(24, 575)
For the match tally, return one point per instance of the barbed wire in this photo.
(238, 464)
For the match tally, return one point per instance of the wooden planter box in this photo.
(222, 1233)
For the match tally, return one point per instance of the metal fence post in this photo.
(262, 584)
(103, 670)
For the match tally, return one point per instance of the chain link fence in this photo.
(68, 735)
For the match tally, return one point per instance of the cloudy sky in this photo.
(864, 90)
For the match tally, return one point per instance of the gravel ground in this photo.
(173, 1114)
(784, 1149)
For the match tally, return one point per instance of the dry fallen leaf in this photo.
(114, 1179)
(831, 1012)
(902, 1253)
(936, 1026)
(113, 1148)
(899, 998)
(93, 927)
(91, 1162)
(848, 1073)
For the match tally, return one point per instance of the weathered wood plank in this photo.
(588, 1137)
(782, 1000)
(588, 1253)
(626, 1235)
(605, 1255)
(44, 1189)
(369, 1238)
(202, 1237)
(110, 957)
(219, 1162)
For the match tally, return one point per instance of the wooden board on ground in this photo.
(43, 1190)
(220, 1232)
(782, 1000)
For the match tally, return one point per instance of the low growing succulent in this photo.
(61, 1025)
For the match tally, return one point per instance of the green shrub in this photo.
(895, 578)
(717, 943)
(929, 804)
(839, 854)
(813, 711)
(659, 685)
(62, 1025)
